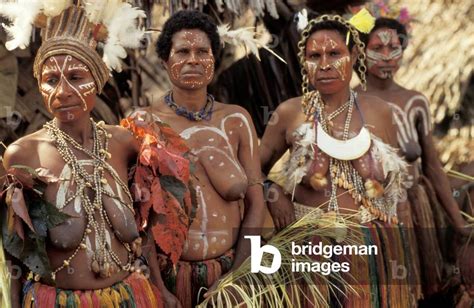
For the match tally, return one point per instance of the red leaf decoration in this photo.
(162, 153)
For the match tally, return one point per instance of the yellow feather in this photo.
(363, 21)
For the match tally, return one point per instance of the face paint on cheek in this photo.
(311, 68)
(340, 66)
(87, 88)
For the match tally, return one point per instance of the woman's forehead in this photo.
(63, 63)
(193, 37)
(325, 39)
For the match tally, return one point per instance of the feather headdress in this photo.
(244, 37)
(112, 22)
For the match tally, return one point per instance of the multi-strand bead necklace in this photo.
(342, 173)
(105, 261)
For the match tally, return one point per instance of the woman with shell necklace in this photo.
(430, 190)
(341, 157)
(67, 212)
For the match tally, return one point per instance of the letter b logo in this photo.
(256, 255)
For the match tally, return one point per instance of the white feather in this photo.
(302, 17)
(122, 33)
(303, 151)
(22, 14)
(394, 169)
(243, 37)
(53, 8)
(271, 8)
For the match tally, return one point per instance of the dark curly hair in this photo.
(383, 22)
(187, 19)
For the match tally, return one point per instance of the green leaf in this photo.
(174, 186)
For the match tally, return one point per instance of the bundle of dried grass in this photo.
(286, 288)
(456, 148)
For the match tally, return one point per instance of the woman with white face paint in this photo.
(68, 215)
(342, 158)
(224, 148)
(430, 190)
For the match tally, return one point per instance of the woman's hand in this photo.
(280, 206)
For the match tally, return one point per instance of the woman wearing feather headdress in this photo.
(342, 158)
(430, 189)
(224, 149)
(69, 216)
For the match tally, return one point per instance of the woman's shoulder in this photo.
(22, 151)
(374, 104)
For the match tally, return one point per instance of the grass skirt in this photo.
(134, 292)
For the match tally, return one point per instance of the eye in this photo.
(377, 47)
(75, 77)
(52, 81)
(334, 53)
(314, 55)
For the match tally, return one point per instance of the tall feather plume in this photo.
(244, 37)
(22, 14)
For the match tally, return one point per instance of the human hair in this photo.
(187, 19)
(390, 23)
(342, 26)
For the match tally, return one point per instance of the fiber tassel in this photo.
(61, 299)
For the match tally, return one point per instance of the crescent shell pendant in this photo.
(344, 149)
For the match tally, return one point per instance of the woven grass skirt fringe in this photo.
(425, 226)
(378, 280)
(134, 292)
(190, 280)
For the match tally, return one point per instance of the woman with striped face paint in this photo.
(68, 217)
(430, 189)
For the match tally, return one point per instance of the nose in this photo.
(193, 59)
(324, 64)
(63, 90)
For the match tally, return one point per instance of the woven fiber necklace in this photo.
(204, 114)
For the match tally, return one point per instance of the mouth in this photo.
(326, 79)
(192, 74)
(66, 108)
(386, 68)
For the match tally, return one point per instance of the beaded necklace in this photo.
(204, 114)
(105, 261)
(342, 173)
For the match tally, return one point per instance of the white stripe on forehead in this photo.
(385, 36)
